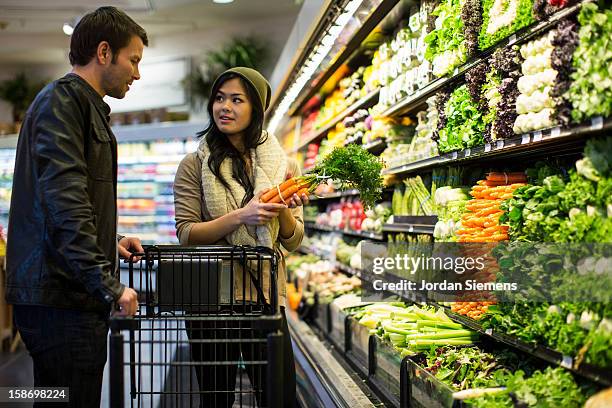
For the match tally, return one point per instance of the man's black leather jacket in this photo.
(61, 245)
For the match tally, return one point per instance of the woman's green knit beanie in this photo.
(253, 77)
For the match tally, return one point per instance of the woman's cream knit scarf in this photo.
(269, 166)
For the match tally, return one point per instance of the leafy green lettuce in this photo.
(522, 18)
(464, 122)
(591, 90)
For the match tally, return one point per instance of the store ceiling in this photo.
(31, 31)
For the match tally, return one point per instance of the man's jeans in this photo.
(68, 348)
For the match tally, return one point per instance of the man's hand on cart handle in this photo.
(128, 302)
(127, 245)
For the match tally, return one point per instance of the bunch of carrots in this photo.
(353, 166)
(480, 223)
(471, 309)
(284, 191)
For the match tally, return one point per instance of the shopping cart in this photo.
(206, 333)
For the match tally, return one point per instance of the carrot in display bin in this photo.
(353, 166)
(480, 223)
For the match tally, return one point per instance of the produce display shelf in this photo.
(369, 99)
(146, 179)
(315, 251)
(368, 25)
(335, 194)
(142, 196)
(417, 99)
(376, 147)
(409, 228)
(599, 375)
(526, 145)
(347, 269)
(359, 234)
(169, 159)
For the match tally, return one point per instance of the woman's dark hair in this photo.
(220, 146)
(104, 24)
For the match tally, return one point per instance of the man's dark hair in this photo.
(105, 24)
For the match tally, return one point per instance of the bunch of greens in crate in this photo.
(469, 367)
(553, 387)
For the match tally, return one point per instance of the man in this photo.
(62, 255)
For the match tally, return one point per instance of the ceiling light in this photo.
(68, 29)
(223, 1)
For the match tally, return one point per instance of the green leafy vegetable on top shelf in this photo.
(551, 388)
(355, 168)
(446, 48)
(591, 89)
(464, 124)
(502, 18)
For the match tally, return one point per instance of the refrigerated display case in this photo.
(509, 99)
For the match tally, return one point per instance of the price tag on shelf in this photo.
(512, 39)
(555, 132)
(468, 152)
(456, 71)
(500, 144)
(489, 332)
(525, 139)
(597, 123)
(453, 155)
(567, 362)
(411, 228)
(487, 148)
(537, 136)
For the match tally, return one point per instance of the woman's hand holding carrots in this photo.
(258, 213)
(296, 201)
(293, 192)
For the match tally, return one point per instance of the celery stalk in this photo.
(446, 334)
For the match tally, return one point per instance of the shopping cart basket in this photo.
(206, 333)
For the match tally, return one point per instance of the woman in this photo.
(217, 198)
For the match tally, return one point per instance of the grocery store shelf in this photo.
(408, 228)
(367, 26)
(171, 158)
(596, 374)
(365, 101)
(157, 131)
(376, 147)
(168, 178)
(359, 234)
(143, 196)
(8, 141)
(417, 99)
(527, 145)
(336, 194)
(347, 269)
